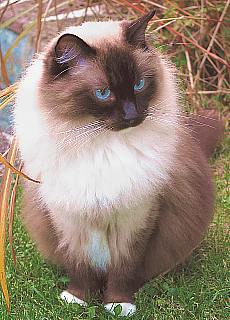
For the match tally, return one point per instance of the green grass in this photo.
(197, 290)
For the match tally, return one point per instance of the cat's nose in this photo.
(129, 111)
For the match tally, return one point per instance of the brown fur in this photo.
(208, 129)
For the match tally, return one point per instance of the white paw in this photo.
(69, 298)
(128, 309)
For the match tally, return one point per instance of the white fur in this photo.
(112, 180)
(69, 298)
(128, 309)
(92, 32)
(98, 250)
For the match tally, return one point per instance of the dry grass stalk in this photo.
(4, 201)
(11, 214)
(8, 91)
(42, 20)
(3, 69)
(9, 166)
(39, 26)
(6, 101)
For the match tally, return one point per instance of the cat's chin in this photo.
(127, 125)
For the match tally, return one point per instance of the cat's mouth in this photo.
(125, 124)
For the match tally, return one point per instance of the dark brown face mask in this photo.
(122, 97)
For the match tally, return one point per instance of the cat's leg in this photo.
(123, 282)
(126, 276)
(39, 225)
(84, 281)
(128, 241)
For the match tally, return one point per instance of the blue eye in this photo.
(103, 94)
(140, 85)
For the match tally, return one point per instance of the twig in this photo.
(155, 4)
(210, 92)
(164, 25)
(39, 25)
(211, 41)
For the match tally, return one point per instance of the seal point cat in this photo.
(126, 192)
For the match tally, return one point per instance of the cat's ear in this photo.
(135, 31)
(70, 48)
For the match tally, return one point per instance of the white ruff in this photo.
(111, 174)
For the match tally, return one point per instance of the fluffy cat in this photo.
(125, 192)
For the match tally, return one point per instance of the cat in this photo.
(125, 190)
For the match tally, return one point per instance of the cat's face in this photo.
(109, 81)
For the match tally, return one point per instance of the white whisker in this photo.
(82, 128)
(185, 129)
(67, 69)
(85, 136)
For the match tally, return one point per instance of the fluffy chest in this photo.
(102, 179)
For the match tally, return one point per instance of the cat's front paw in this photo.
(127, 309)
(69, 298)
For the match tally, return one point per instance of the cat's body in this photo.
(120, 207)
